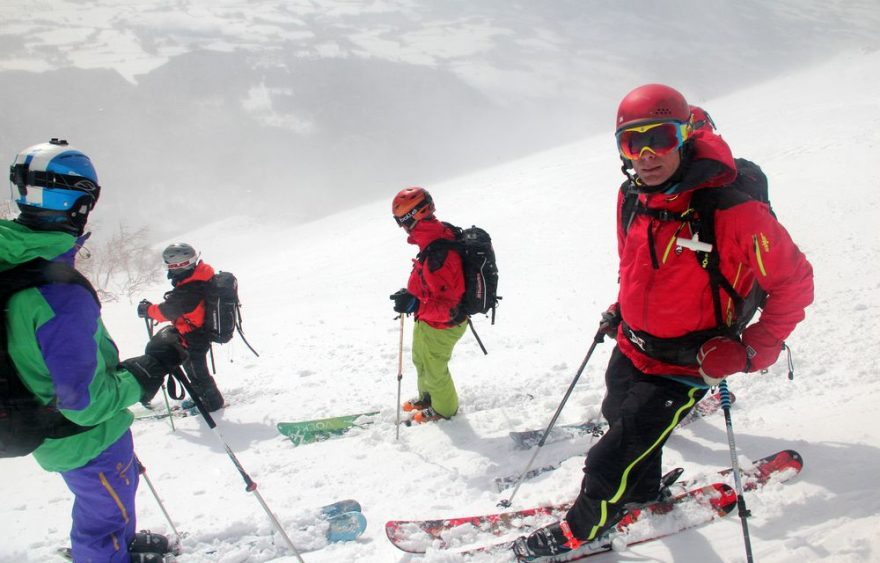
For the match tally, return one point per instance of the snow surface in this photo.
(316, 308)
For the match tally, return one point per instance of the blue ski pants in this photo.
(104, 505)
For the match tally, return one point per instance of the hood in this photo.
(707, 163)
(19, 244)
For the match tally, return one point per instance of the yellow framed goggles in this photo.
(657, 138)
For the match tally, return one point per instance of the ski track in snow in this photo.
(316, 308)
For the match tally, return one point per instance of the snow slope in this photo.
(316, 308)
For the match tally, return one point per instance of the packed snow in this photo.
(316, 308)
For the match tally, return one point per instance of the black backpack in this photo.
(474, 245)
(222, 314)
(750, 184)
(223, 309)
(24, 422)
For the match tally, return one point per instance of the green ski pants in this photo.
(431, 352)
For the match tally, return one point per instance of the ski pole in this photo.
(150, 324)
(241, 332)
(741, 501)
(477, 336)
(600, 337)
(250, 485)
(399, 376)
(143, 471)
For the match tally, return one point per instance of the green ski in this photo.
(310, 431)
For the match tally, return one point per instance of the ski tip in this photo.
(796, 458)
(340, 507)
(346, 527)
(726, 500)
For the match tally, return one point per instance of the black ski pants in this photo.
(624, 466)
(196, 368)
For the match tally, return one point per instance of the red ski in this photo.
(716, 500)
(415, 536)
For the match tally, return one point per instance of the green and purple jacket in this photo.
(63, 353)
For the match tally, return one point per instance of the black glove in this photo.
(164, 352)
(166, 346)
(610, 321)
(405, 302)
(142, 308)
(148, 372)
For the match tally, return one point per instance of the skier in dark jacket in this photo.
(671, 345)
(63, 354)
(184, 307)
(433, 293)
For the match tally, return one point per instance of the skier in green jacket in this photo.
(62, 353)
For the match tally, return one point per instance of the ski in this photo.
(662, 519)
(530, 438)
(527, 439)
(176, 411)
(345, 519)
(417, 537)
(319, 430)
(406, 535)
(311, 431)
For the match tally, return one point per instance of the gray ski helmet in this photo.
(180, 256)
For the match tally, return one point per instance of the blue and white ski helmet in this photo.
(55, 183)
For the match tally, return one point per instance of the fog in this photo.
(193, 111)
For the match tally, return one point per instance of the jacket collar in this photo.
(202, 272)
(427, 231)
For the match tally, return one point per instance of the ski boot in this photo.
(150, 557)
(426, 415)
(418, 404)
(556, 541)
(553, 541)
(146, 541)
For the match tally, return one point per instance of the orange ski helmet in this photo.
(411, 205)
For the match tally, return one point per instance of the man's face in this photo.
(653, 170)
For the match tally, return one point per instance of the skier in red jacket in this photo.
(676, 337)
(433, 294)
(184, 306)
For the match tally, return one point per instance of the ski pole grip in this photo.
(724, 392)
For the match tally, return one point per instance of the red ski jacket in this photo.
(184, 306)
(439, 290)
(674, 298)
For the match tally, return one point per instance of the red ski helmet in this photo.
(649, 103)
(411, 205)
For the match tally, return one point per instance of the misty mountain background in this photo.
(194, 110)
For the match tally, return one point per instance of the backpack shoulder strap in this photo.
(631, 207)
(628, 207)
(705, 202)
(39, 272)
(435, 253)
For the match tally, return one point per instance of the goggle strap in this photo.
(408, 216)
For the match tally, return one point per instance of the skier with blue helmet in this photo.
(59, 349)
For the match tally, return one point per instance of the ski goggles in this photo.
(47, 198)
(183, 265)
(408, 219)
(50, 190)
(657, 138)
